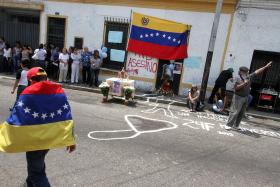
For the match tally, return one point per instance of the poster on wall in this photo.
(115, 37)
(141, 66)
(117, 55)
(193, 70)
(177, 68)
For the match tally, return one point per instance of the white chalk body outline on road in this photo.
(133, 129)
(193, 124)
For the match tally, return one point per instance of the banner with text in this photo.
(141, 66)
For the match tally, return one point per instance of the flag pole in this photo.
(128, 36)
(210, 50)
(130, 25)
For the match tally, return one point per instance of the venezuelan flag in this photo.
(41, 119)
(158, 38)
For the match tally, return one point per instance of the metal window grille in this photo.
(120, 25)
(56, 31)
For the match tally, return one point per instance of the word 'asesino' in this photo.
(137, 62)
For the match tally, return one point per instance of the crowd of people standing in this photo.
(62, 65)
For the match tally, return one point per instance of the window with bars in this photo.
(78, 42)
(56, 31)
(115, 39)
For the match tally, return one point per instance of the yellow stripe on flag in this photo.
(154, 23)
(15, 139)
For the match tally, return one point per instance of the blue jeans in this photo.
(250, 99)
(36, 169)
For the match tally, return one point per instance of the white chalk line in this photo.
(133, 129)
(156, 109)
(203, 125)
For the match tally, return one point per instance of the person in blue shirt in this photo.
(86, 65)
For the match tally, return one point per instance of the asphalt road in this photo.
(150, 144)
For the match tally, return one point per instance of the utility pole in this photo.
(210, 50)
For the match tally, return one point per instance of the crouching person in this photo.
(193, 98)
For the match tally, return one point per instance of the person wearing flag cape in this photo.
(40, 120)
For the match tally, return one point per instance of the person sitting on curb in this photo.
(193, 98)
(241, 93)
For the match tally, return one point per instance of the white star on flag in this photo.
(59, 111)
(20, 103)
(52, 115)
(157, 34)
(44, 116)
(179, 41)
(35, 115)
(65, 106)
(174, 40)
(164, 36)
(141, 36)
(27, 110)
(169, 37)
(146, 35)
(151, 34)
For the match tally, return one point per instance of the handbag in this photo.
(35, 56)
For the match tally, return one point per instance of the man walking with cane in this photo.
(241, 93)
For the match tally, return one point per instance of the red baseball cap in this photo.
(37, 71)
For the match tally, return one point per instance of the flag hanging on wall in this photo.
(41, 119)
(158, 38)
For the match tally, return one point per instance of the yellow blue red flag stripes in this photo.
(158, 38)
(41, 119)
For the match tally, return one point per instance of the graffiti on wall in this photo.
(141, 66)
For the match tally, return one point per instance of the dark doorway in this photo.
(270, 79)
(176, 76)
(56, 31)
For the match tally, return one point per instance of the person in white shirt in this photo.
(21, 78)
(63, 65)
(7, 59)
(76, 57)
(41, 56)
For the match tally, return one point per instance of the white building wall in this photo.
(87, 21)
(254, 29)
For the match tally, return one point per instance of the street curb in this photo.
(143, 98)
(7, 77)
(263, 117)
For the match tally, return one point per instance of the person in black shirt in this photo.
(221, 83)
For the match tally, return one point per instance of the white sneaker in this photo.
(227, 127)
(237, 128)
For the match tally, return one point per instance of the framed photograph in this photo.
(177, 68)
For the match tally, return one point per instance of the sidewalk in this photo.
(177, 100)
